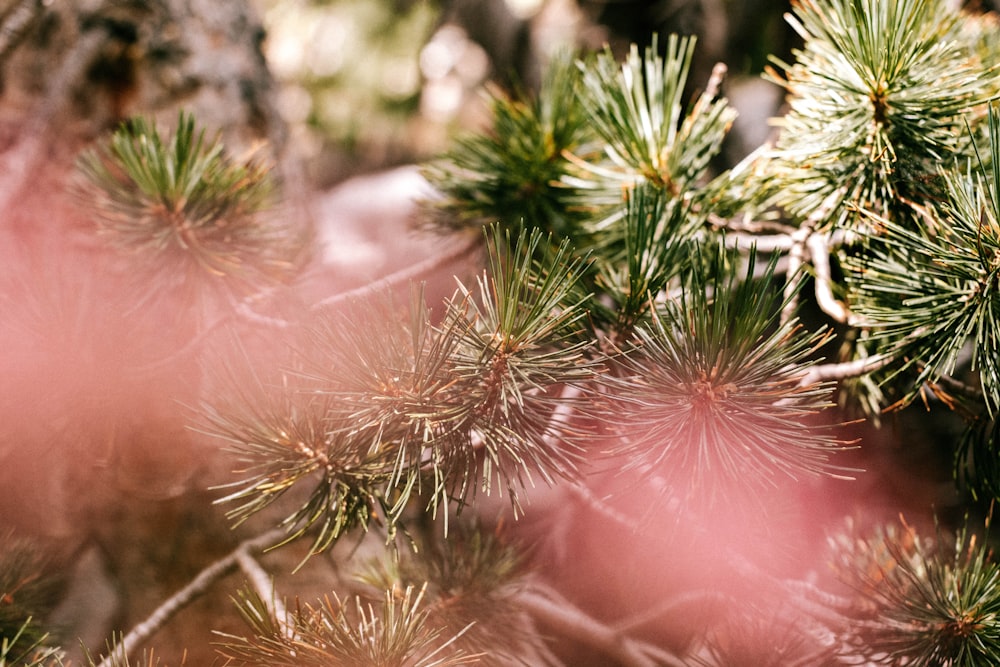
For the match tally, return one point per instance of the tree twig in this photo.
(762, 243)
(819, 254)
(403, 276)
(668, 605)
(559, 614)
(263, 583)
(796, 255)
(185, 596)
(845, 369)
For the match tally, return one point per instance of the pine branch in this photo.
(199, 585)
(181, 201)
(819, 252)
(712, 385)
(876, 99)
(921, 602)
(844, 370)
(472, 581)
(513, 173)
(558, 614)
(637, 110)
(926, 293)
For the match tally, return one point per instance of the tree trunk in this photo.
(71, 70)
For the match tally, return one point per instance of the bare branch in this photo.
(762, 243)
(670, 605)
(846, 369)
(263, 584)
(552, 610)
(796, 254)
(408, 274)
(819, 254)
(182, 598)
(744, 224)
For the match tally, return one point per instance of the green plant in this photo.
(651, 335)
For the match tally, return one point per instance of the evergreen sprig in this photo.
(520, 349)
(640, 258)
(637, 111)
(293, 440)
(181, 198)
(637, 108)
(920, 602)
(877, 97)
(471, 582)
(925, 294)
(513, 171)
(393, 410)
(394, 381)
(709, 395)
(354, 633)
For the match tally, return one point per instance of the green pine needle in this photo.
(182, 199)
(520, 349)
(637, 110)
(927, 293)
(876, 100)
(922, 603)
(513, 172)
(635, 268)
(709, 397)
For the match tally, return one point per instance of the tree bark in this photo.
(71, 70)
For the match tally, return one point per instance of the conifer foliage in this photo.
(707, 331)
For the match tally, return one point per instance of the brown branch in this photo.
(185, 596)
(558, 614)
(408, 274)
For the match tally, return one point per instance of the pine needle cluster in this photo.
(709, 394)
(922, 602)
(390, 633)
(182, 207)
(398, 409)
(878, 97)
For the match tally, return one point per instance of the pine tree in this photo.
(663, 341)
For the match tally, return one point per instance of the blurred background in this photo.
(366, 84)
